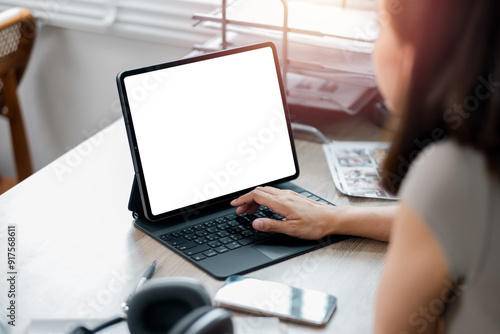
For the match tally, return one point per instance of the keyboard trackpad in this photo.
(283, 246)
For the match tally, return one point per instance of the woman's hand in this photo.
(305, 218)
(308, 219)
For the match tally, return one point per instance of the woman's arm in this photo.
(413, 290)
(308, 219)
(368, 222)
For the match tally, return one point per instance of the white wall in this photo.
(69, 90)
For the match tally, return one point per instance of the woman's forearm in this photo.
(368, 222)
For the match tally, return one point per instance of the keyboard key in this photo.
(223, 226)
(232, 245)
(221, 249)
(226, 240)
(261, 235)
(245, 241)
(210, 252)
(198, 257)
(222, 234)
(243, 219)
(236, 236)
(200, 241)
(187, 245)
(177, 241)
(233, 230)
(212, 237)
(220, 220)
(214, 244)
(202, 233)
(197, 249)
(209, 224)
(188, 230)
(247, 233)
(212, 229)
(199, 227)
(190, 236)
(177, 234)
(167, 237)
(233, 223)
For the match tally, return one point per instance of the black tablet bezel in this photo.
(120, 79)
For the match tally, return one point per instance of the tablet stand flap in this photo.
(134, 202)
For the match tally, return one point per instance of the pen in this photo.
(147, 275)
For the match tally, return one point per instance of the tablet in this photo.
(207, 129)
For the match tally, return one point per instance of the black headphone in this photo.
(171, 305)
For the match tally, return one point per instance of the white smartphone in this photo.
(276, 299)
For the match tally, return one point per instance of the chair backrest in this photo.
(17, 35)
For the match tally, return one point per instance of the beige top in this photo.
(450, 188)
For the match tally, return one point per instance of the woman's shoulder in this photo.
(446, 166)
(448, 186)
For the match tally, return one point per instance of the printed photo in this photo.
(379, 154)
(370, 182)
(354, 173)
(364, 192)
(353, 158)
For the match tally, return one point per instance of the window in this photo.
(357, 4)
(155, 20)
(164, 21)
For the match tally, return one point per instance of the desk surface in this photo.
(79, 256)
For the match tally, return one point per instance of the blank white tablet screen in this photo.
(209, 128)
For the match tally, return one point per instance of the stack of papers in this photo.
(355, 167)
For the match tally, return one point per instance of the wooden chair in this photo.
(17, 34)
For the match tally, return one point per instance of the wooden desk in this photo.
(79, 256)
